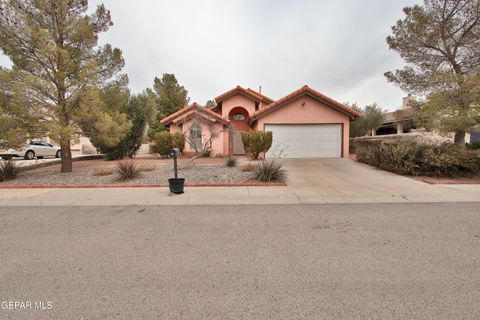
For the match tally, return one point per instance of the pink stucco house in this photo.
(305, 123)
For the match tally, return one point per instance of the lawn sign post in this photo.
(176, 184)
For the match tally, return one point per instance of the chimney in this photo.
(407, 101)
(260, 89)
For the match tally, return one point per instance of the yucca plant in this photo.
(231, 162)
(8, 170)
(127, 169)
(270, 171)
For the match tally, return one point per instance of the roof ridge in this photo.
(260, 94)
(188, 110)
(240, 88)
(302, 90)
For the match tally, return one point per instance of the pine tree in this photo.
(440, 42)
(58, 67)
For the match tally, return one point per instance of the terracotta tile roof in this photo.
(247, 92)
(265, 98)
(189, 111)
(305, 90)
(408, 113)
(191, 114)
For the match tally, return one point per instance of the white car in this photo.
(34, 149)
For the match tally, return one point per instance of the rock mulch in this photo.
(194, 174)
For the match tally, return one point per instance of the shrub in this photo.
(413, 158)
(450, 160)
(138, 110)
(231, 161)
(8, 170)
(178, 140)
(270, 171)
(473, 145)
(249, 167)
(256, 142)
(102, 172)
(399, 157)
(127, 169)
(165, 141)
(206, 153)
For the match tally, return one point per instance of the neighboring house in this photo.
(304, 124)
(393, 125)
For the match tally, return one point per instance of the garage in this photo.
(306, 140)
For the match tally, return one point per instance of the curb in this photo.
(449, 182)
(271, 184)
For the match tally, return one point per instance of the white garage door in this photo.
(306, 140)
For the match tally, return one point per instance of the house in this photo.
(305, 123)
(393, 124)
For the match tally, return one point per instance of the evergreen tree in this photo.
(58, 67)
(171, 96)
(440, 42)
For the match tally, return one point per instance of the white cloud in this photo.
(337, 47)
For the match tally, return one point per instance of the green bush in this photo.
(165, 141)
(450, 160)
(256, 142)
(413, 158)
(138, 111)
(270, 171)
(8, 170)
(178, 140)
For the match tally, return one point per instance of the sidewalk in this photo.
(228, 195)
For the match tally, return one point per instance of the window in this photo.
(196, 137)
(238, 117)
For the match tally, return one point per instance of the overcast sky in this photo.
(336, 47)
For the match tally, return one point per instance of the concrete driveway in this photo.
(343, 180)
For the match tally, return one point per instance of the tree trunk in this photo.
(66, 155)
(459, 137)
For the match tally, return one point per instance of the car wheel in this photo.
(58, 154)
(29, 155)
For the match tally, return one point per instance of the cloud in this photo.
(337, 47)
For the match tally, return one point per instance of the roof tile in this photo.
(304, 90)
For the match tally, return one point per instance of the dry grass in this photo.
(102, 172)
(147, 167)
(249, 167)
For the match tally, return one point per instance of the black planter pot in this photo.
(176, 185)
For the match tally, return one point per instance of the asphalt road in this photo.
(383, 261)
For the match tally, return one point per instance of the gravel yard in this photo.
(85, 174)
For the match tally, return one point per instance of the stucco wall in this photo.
(237, 100)
(310, 112)
(218, 142)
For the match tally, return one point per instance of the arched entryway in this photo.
(238, 117)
